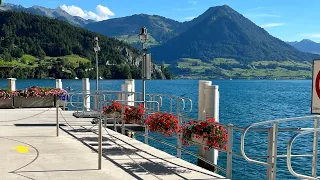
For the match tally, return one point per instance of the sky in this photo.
(288, 20)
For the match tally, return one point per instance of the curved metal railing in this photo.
(315, 151)
(272, 144)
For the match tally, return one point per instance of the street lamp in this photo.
(96, 49)
(143, 36)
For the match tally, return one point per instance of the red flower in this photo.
(134, 114)
(164, 123)
(215, 136)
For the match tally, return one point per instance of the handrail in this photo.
(265, 123)
(180, 105)
(301, 176)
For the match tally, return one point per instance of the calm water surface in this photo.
(242, 102)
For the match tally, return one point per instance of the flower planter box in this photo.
(113, 115)
(198, 141)
(34, 102)
(6, 103)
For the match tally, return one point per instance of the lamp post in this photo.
(96, 49)
(143, 36)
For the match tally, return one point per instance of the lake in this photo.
(242, 102)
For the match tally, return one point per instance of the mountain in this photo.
(57, 13)
(221, 32)
(33, 44)
(306, 45)
(160, 29)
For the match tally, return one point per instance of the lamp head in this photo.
(143, 36)
(96, 47)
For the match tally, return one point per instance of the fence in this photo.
(180, 107)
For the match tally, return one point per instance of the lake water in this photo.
(242, 102)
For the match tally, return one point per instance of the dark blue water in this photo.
(242, 102)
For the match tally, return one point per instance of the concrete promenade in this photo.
(29, 149)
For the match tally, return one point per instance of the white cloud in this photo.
(189, 18)
(102, 12)
(193, 2)
(272, 25)
(311, 35)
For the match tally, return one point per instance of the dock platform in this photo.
(30, 149)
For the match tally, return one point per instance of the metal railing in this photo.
(272, 146)
(156, 103)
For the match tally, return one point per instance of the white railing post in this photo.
(146, 130)
(57, 118)
(229, 151)
(315, 148)
(86, 94)
(122, 121)
(99, 139)
(272, 152)
(179, 143)
(12, 84)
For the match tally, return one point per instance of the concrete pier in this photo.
(30, 149)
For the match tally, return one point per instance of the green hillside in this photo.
(29, 42)
(221, 68)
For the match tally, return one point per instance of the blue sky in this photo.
(288, 20)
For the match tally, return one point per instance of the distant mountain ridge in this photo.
(220, 43)
(306, 45)
(222, 32)
(127, 28)
(57, 13)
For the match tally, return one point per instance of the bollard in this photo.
(12, 84)
(208, 106)
(86, 94)
(58, 83)
(131, 89)
(126, 96)
(202, 85)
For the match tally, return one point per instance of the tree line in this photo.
(22, 33)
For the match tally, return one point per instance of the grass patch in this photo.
(230, 68)
(31, 61)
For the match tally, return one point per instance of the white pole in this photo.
(12, 84)
(58, 83)
(202, 85)
(126, 96)
(86, 94)
(211, 105)
(131, 89)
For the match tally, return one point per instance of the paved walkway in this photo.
(30, 149)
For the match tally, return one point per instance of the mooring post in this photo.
(12, 84)
(208, 102)
(126, 97)
(58, 83)
(131, 88)
(86, 94)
